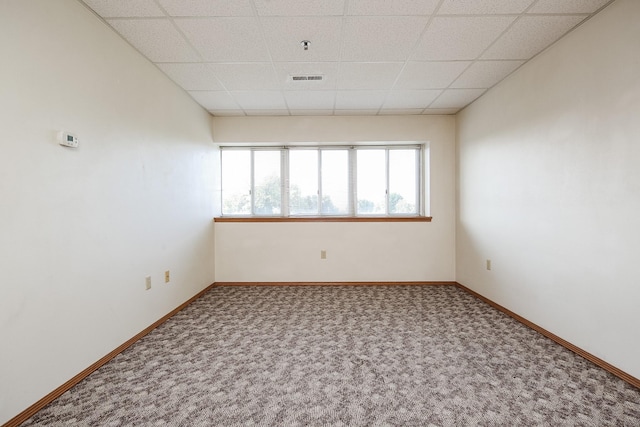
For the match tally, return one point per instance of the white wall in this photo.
(81, 228)
(548, 166)
(290, 252)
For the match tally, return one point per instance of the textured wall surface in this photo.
(355, 251)
(82, 228)
(548, 189)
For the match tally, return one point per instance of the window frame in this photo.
(421, 185)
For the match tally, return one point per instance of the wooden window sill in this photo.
(324, 219)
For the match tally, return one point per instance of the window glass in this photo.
(335, 182)
(236, 182)
(267, 196)
(371, 182)
(303, 182)
(402, 181)
(338, 180)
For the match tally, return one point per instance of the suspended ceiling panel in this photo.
(370, 57)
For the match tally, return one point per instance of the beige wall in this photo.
(547, 189)
(81, 228)
(290, 252)
(548, 168)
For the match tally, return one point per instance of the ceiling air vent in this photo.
(306, 78)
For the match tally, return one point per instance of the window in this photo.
(340, 181)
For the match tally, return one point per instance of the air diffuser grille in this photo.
(306, 78)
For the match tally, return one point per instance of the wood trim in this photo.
(31, 410)
(566, 344)
(335, 284)
(324, 219)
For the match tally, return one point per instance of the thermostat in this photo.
(68, 140)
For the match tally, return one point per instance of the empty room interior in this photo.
(521, 123)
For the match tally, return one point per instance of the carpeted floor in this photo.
(345, 356)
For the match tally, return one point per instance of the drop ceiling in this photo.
(376, 57)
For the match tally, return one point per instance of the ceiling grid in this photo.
(376, 57)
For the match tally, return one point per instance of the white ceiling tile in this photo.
(445, 111)
(329, 71)
(362, 112)
(430, 75)
(530, 35)
(269, 112)
(311, 112)
(214, 100)
(375, 56)
(299, 7)
(125, 8)
(310, 100)
(456, 98)
(481, 7)
(456, 37)
(395, 7)
(207, 7)
(192, 76)
(410, 98)
(401, 112)
(567, 6)
(485, 74)
(157, 39)
(223, 113)
(380, 38)
(225, 39)
(360, 99)
(285, 34)
(368, 75)
(246, 75)
(259, 99)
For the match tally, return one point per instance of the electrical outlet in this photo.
(147, 282)
(488, 264)
(167, 276)
(323, 254)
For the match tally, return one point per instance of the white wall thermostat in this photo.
(68, 140)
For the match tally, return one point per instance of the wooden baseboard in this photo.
(586, 355)
(335, 284)
(31, 410)
(566, 344)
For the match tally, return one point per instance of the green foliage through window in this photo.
(317, 181)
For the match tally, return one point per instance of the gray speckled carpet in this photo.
(345, 356)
